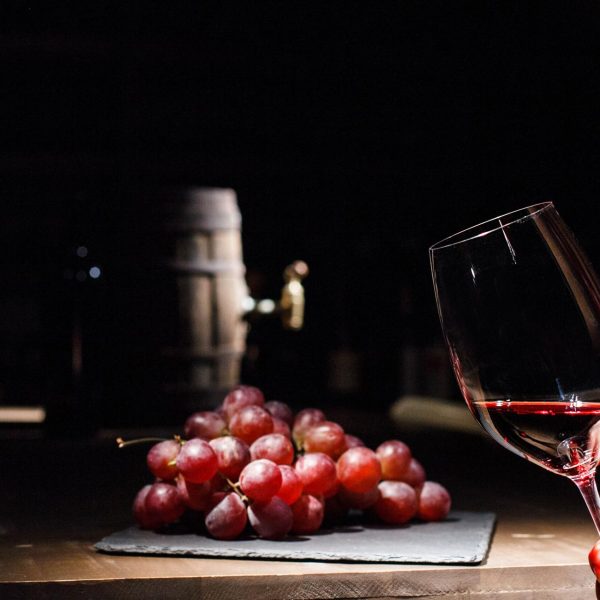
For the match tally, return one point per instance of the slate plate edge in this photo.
(479, 552)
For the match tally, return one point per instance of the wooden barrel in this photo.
(206, 273)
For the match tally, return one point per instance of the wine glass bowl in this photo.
(519, 305)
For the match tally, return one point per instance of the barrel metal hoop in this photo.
(203, 224)
(211, 268)
(193, 354)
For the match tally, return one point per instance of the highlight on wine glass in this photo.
(519, 305)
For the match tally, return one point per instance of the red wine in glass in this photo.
(519, 305)
(559, 436)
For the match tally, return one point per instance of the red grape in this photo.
(275, 447)
(237, 466)
(415, 474)
(351, 441)
(140, 514)
(281, 427)
(206, 425)
(360, 501)
(317, 472)
(394, 457)
(232, 455)
(251, 422)
(304, 420)
(594, 559)
(195, 495)
(197, 461)
(216, 497)
(332, 490)
(291, 485)
(260, 480)
(228, 517)
(280, 410)
(358, 469)
(163, 503)
(240, 396)
(326, 437)
(397, 502)
(161, 459)
(308, 514)
(271, 520)
(434, 502)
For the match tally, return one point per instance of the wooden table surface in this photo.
(59, 497)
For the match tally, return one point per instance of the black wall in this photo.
(356, 134)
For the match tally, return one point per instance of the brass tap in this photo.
(291, 303)
(290, 306)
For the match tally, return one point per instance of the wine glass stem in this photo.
(589, 491)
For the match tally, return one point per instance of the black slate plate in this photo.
(463, 538)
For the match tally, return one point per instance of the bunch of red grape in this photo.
(252, 461)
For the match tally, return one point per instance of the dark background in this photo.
(355, 134)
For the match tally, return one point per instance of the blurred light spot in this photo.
(81, 276)
(95, 272)
(295, 287)
(81, 251)
(248, 304)
(266, 306)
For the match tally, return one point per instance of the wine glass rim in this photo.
(463, 235)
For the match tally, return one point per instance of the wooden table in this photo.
(58, 498)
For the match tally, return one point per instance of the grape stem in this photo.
(298, 446)
(121, 443)
(236, 488)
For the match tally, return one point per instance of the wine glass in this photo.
(519, 305)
